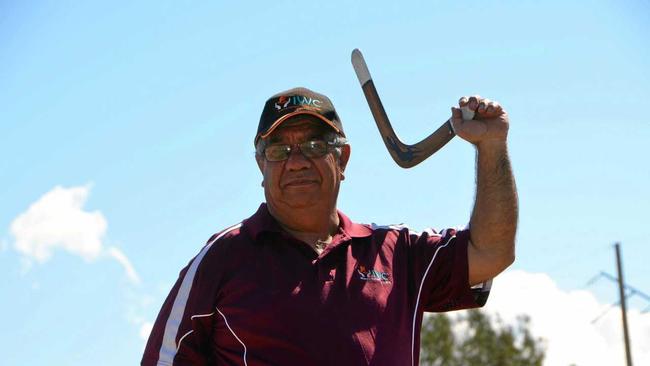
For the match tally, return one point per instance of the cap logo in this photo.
(297, 101)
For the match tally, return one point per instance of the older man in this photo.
(299, 283)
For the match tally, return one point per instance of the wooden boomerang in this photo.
(406, 156)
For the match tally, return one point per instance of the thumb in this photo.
(466, 129)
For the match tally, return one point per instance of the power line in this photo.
(630, 290)
(625, 291)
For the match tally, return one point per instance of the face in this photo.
(300, 182)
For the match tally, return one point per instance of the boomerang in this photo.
(405, 155)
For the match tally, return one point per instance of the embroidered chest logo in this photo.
(372, 275)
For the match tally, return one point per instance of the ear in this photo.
(344, 158)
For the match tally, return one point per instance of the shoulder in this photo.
(399, 234)
(225, 235)
(219, 246)
(404, 230)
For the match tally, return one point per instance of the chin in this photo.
(302, 204)
(298, 202)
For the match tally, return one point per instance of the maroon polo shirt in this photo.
(255, 295)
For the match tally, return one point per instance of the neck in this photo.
(308, 225)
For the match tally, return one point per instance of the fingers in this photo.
(466, 129)
(474, 102)
(484, 107)
(456, 114)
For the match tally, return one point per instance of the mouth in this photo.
(297, 183)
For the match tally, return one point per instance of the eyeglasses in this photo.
(310, 149)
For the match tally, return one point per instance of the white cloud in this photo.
(58, 221)
(564, 320)
(145, 330)
(126, 264)
(138, 304)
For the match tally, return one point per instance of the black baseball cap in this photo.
(293, 102)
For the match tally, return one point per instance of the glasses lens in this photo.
(277, 152)
(314, 149)
(310, 149)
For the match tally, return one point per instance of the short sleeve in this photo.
(441, 270)
(180, 335)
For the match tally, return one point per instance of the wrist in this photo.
(492, 146)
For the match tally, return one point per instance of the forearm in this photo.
(494, 219)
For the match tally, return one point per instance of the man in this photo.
(298, 283)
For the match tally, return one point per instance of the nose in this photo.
(297, 161)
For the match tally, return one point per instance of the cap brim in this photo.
(279, 121)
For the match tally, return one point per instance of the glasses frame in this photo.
(329, 147)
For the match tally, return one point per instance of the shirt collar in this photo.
(353, 229)
(262, 221)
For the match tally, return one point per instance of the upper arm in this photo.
(440, 270)
(485, 264)
(181, 333)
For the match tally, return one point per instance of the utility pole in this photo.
(621, 291)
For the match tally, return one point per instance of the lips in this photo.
(300, 182)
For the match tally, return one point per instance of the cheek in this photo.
(272, 176)
(330, 170)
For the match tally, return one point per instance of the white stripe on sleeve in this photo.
(168, 348)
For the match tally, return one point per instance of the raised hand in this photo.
(489, 126)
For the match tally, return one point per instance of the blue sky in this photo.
(143, 114)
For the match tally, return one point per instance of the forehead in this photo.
(299, 126)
